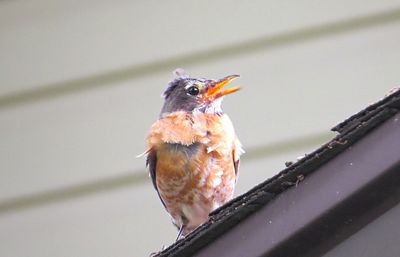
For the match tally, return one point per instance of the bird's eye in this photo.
(193, 90)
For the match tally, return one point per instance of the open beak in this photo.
(214, 89)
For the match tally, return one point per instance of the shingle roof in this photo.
(239, 209)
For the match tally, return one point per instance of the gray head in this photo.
(195, 94)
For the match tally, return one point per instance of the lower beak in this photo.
(215, 91)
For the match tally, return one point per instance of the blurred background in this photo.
(80, 85)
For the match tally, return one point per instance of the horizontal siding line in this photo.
(138, 178)
(227, 51)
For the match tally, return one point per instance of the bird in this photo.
(192, 150)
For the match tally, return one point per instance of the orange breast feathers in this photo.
(213, 131)
(193, 161)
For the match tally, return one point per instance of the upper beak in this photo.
(214, 89)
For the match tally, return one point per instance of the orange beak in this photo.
(214, 90)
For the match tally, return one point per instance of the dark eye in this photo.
(193, 90)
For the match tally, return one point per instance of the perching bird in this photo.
(193, 152)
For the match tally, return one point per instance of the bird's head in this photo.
(196, 94)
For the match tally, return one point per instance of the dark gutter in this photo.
(345, 184)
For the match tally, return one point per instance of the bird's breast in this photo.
(192, 181)
(195, 155)
(181, 169)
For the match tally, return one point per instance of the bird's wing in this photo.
(151, 162)
(236, 152)
(236, 166)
